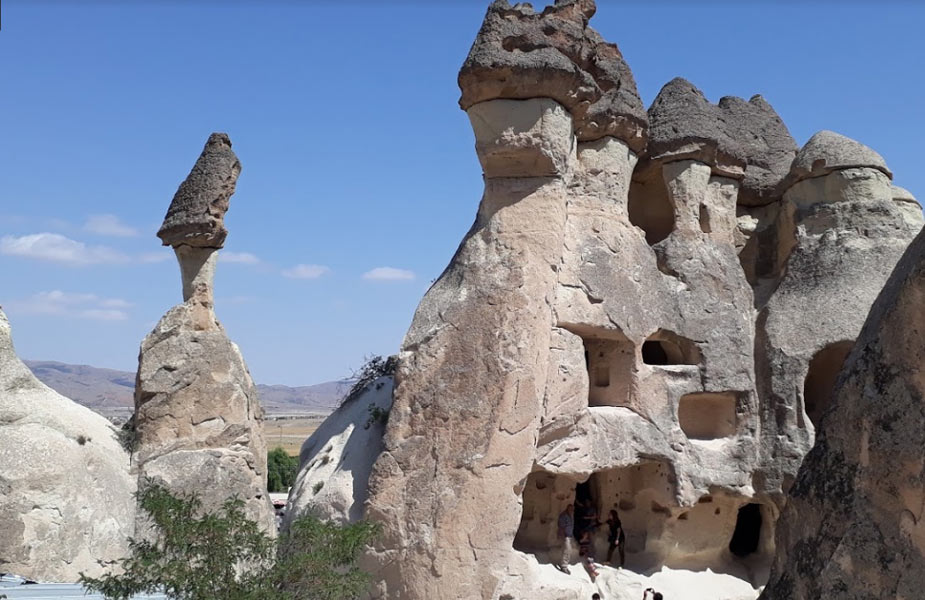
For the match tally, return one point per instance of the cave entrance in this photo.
(650, 207)
(820, 380)
(610, 358)
(708, 415)
(545, 496)
(664, 348)
(747, 535)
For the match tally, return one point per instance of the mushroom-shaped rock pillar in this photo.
(194, 225)
(197, 414)
(461, 436)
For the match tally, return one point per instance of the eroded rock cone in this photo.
(66, 495)
(852, 527)
(197, 415)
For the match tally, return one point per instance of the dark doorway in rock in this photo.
(820, 380)
(747, 534)
(650, 208)
(653, 353)
(665, 347)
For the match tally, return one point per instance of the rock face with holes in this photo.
(66, 504)
(853, 526)
(637, 321)
(197, 416)
(839, 233)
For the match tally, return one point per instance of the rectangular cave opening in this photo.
(708, 415)
(610, 359)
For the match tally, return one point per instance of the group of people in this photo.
(580, 523)
(648, 594)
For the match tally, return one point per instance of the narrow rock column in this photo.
(197, 415)
(472, 370)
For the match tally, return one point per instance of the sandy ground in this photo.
(290, 433)
(626, 584)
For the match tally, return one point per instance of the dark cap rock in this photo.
(683, 124)
(196, 214)
(828, 151)
(767, 145)
(738, 138)
(520, 54)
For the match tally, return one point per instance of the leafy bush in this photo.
(127, 436)
(374, 368)
(281, 470)
(224, 555)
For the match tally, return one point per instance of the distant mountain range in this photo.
(111, 393)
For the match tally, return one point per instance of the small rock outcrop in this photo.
(197, 416)
(66, 494)
(853, 525)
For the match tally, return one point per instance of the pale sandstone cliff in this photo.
(66, 493)
(648, 311)
(853, 528)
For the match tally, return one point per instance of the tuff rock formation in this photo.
(197, 416)
(647, 315)
(66, 494)
(335, 461)
(853, 525)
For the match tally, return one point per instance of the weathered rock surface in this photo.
(852, 527)
(839, 235)
(197, 212)
(197, 415)
(650, 336)
(520, 54)
(828, 151)
(335, 462)
(66, 494)
(741, 139)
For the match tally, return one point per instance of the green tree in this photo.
(222, 555)
(281, 470)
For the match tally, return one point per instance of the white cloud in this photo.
(305, 271)
(71, 304)
(108, 225)
(99, 314)
(58, 248)
(388, 274)
(242, 258)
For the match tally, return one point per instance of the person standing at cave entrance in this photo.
(566, 527)
(616, 537)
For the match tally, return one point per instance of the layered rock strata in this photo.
(852, 527)
(197, 416)
(66, 493)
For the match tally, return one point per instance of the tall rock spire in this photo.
(197, 415)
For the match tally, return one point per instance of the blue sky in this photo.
(355, 154)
